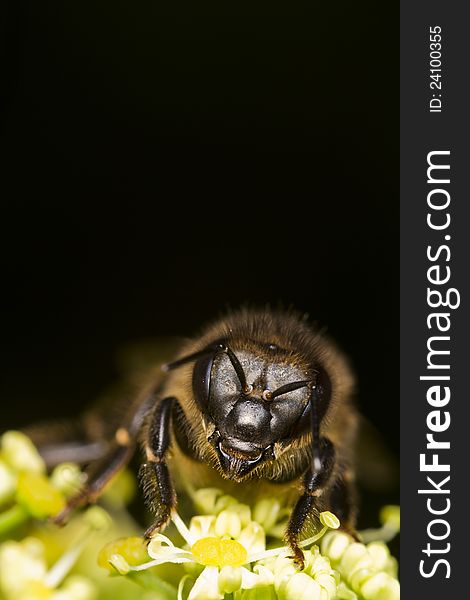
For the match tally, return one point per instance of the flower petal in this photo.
(206, 586)
(230, 579)
(261, 577)
(202, 526)
(162, 550)
(160, 561)
(253, 538)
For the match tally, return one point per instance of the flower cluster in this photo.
(225, 554)
(367, 571)
(228, 550)
(38, 560)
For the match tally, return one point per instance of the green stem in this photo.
(11, 518)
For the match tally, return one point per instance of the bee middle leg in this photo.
(65, 441)
(119, 453)
(306, 513)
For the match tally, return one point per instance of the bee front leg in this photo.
(306, 513)
(159, 492)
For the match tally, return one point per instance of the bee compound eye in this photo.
(248, 389)
(202, 380)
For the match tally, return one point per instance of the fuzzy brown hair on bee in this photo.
(260, 403)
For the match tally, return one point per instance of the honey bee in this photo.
(260, 403)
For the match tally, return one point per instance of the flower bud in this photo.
(355, 557)
(266, 512)
(284, 569)
(381, 587)
(7, 483)
(36, 494)
(379, 554)
(390, 517)
(344, 593)
(97, 518)
(19, 453)
(316, 564)
(67, 478)
(300, 587)
(20, 563)
(253, 538)
(328, 583)
(334, 544)
(228, 523)
(359, 577)
(392, 566)
(132, 549)
(205, 500)
(224, 502)
(259, 593)
(265, 575)
(78, 587)
(243, 511)
(202, 526)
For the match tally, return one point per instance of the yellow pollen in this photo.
(215, 552)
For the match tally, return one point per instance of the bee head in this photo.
(253, 401)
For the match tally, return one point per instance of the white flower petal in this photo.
(202, 526)
(265, 574)
(206, 586)
(160, 538)
(183, 530)
(262, 577)
(230, 579)
(21, 562)
(161, 547)
(253, 538)
(175, 558)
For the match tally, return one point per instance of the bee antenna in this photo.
(288, 387)
(212, 349)
(238, 369)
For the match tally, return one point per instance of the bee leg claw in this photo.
(158, 525)
(61, 519)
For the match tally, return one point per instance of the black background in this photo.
(160, 167)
